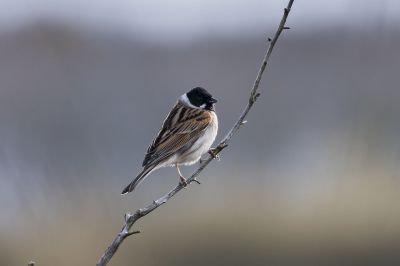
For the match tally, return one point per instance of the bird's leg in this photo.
(201, 160)
(182, 179)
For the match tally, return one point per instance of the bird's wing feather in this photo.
(183, 125)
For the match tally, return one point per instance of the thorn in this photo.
(196, 181)
(286, 28)
(243, 122)
(132, 233)
(269, 39)
(31, 263)
(154, 202)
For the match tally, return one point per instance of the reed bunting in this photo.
(187, 133)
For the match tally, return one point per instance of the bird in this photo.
(187, 133)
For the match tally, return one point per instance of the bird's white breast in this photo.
(203, 144)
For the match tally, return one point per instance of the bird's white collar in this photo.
(185, 100)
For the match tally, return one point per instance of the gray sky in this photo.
(186, 19)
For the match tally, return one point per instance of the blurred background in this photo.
(312, 179)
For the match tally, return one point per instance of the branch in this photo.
(130, 219)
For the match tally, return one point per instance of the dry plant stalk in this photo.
(130, 219)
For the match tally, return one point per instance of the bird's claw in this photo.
(213, 153)
(183, 182)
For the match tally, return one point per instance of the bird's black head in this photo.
(201, 98)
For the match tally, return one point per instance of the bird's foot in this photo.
(183, 181)
(213, 153)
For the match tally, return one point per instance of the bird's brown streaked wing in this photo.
(182, 126)
(165, 130)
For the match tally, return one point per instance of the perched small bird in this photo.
(187, 133)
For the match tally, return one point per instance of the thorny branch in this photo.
(130, 219)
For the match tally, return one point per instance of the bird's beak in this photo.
(212, 100)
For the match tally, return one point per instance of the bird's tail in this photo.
(129, 188)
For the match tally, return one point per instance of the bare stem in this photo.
(130, 219)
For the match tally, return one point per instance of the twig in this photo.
(130, 219)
